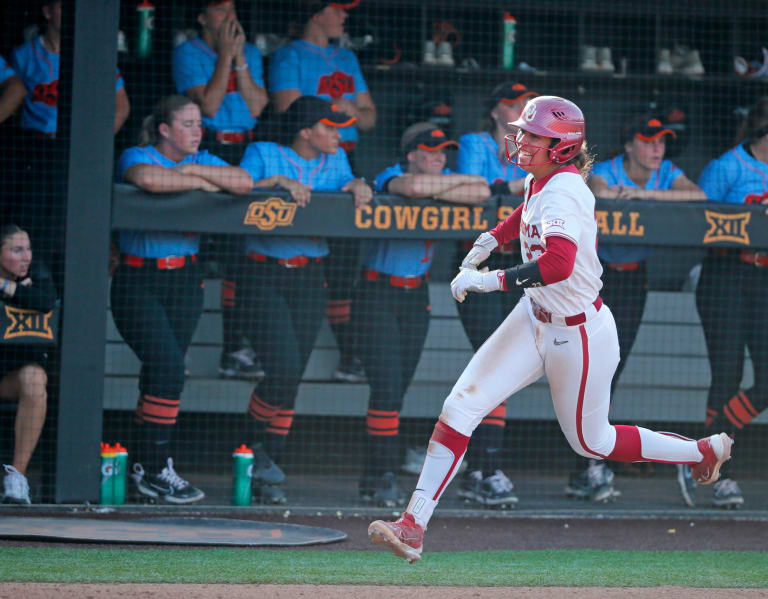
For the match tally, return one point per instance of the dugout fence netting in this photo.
(282, 325)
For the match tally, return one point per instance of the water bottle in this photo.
(106, 490)
(242, 470)
(508, 54)
(145, 13)
(120, 474)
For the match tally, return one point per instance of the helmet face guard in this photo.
(513, 147)
(549, 116)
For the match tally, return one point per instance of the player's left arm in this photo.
(231, 178)
(122, 108)
(249, 81)
(362, 108)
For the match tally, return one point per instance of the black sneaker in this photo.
(727, 494)
(269, 495)
(265, 471)
(166, 485)
(494, 491)
(350, 370)
(593, 484)
(386, 492)
(241, 364)
(687, 484)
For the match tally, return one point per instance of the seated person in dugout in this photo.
(281, 283)
(483, 153)
(26, 285)
(638, 171)
(157, 289)
(392, 302)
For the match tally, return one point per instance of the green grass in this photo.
(489, 568)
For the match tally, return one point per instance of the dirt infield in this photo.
(273, 591)
(515, 533)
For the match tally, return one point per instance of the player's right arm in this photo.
(191, 79)
(12, 95)
(165, 180)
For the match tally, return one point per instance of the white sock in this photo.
(436, 474)
(668, 447)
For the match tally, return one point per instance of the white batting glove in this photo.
(480, 251)
(478, 281)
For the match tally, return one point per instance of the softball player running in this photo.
(156, 294)
(484, 154)
(730, 291)
(638, 172)
(281, 285)
(559, 328)
(392, 302)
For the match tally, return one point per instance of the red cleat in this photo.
(403, 537)
(716, 450)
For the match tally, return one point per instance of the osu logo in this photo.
(47, 93)
(727, 227)
(27, 323)
(336, 84)
(270, 213)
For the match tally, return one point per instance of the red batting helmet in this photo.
(550, 116)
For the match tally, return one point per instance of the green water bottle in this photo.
(508, 54)
(145, 13)
(120, 474)
(106, 490)
(242, 470)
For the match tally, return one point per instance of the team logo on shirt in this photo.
(336, 85)
(727, 227)
(47, 93)
(270, 213)
(555, 222)
(27, 323)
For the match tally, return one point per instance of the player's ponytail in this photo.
(755, 125)
(583, 161)
(162, 113)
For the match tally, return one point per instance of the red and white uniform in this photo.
(561, 331)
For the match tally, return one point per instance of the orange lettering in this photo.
(405, 216)
(429, 218)
(382, 217)
(363, 217)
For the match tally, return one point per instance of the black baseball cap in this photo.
(307, 111)
(422, 137)
(308, 8)
(508, 93)
(646, 128)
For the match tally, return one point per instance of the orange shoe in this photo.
(403, 537)
(716, 450)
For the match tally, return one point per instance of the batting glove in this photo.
(480, 251)
(479, 281)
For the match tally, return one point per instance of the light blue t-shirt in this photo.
(735, 177)
(327, 73)
(479, 155)
(159, 244)
(193, 64)
(326, 172)
(614, 174)
(39, 71)
(398, 257)
(5, 70)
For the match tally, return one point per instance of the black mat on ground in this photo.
(168, 531)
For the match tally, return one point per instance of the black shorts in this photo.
(13, 357)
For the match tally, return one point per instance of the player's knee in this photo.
(455, 415)
(590, 445)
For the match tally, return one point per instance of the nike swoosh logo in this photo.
(519, 282)
(560, 342)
